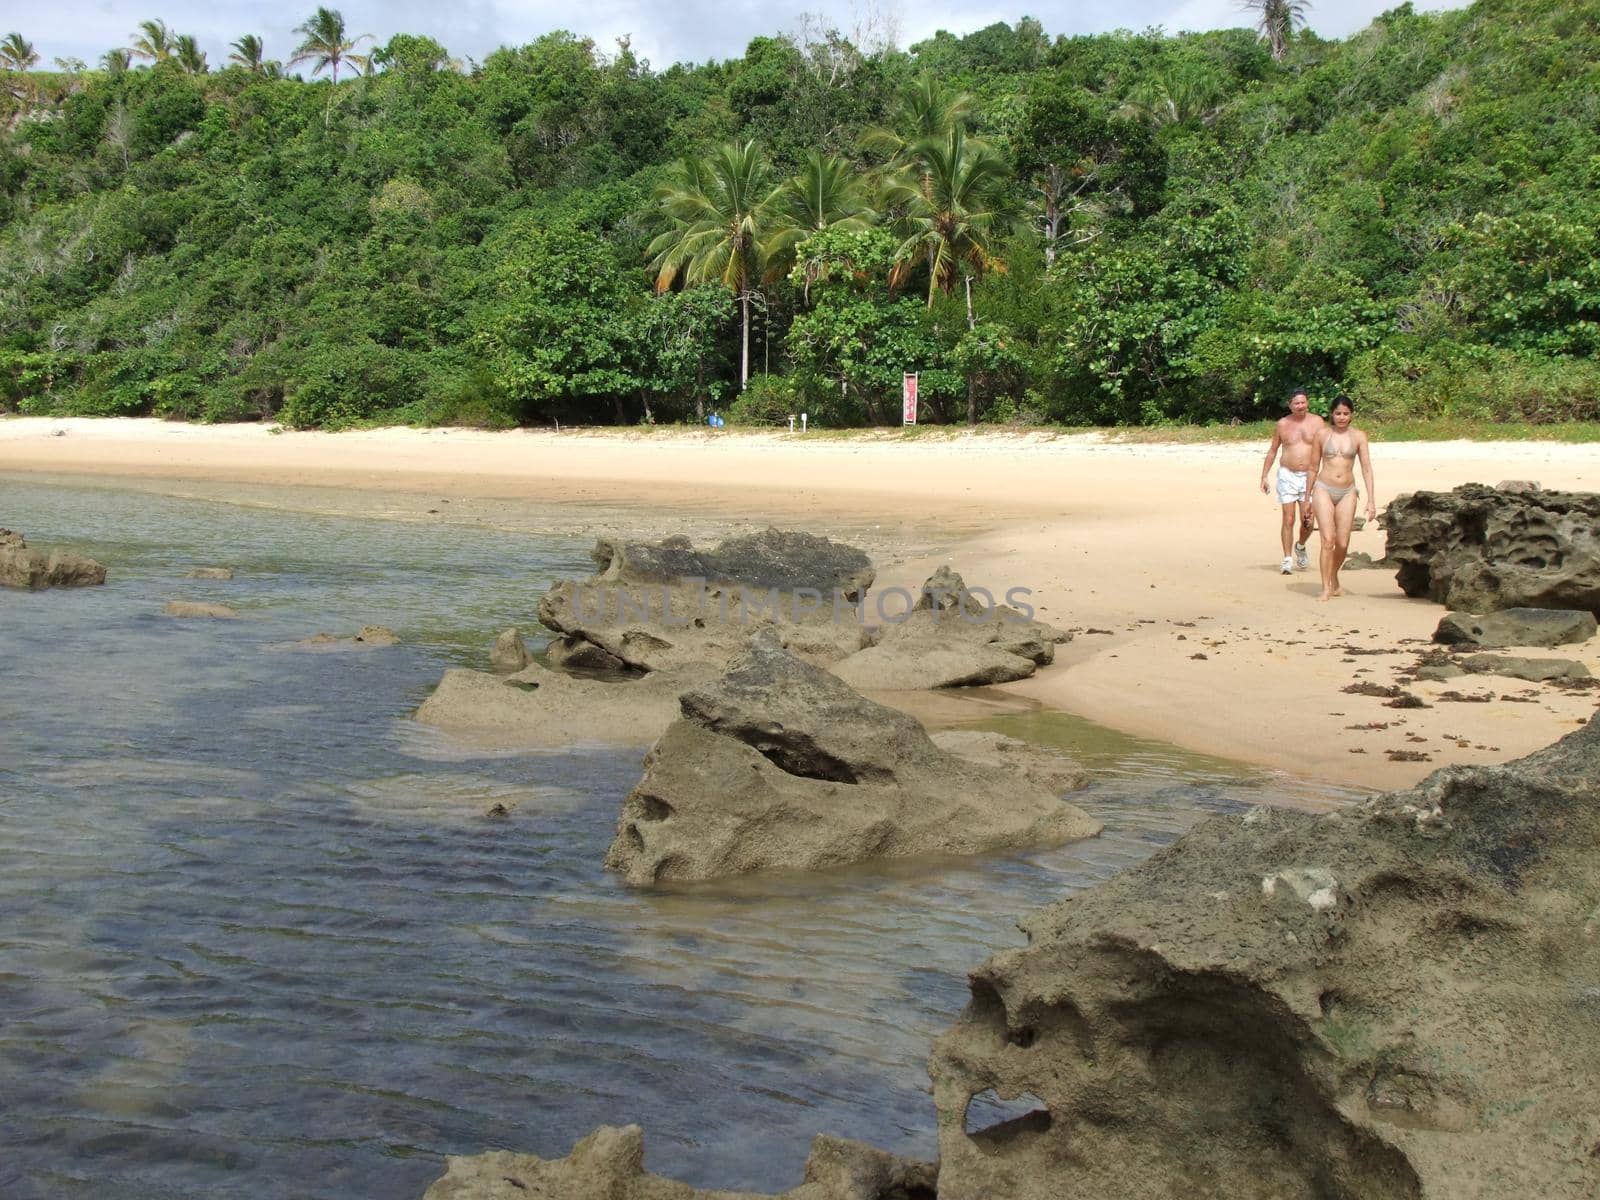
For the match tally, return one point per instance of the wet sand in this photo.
(1170, 550)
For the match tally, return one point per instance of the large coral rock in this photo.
(609, 1165)
(538, 707)
(1516, 627)
(26, 567)
(657, 606)
(1400, 999)
(1479, 549)
(509, 653)
(780, 765)
(952, 638)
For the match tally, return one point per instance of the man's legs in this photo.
(1286, 533)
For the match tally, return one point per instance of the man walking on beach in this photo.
(1295, 434)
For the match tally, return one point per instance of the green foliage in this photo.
(1189, 225)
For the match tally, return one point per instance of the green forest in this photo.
(1132, 228)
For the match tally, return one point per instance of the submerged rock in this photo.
(538, 707)
(1050, 769)
(31, 569)
(195, 608)
(778, 764)
(1516, 627)
(1479, 549)
(365, 637)
(222, 573)
(1394, 1000)
(609, 1165)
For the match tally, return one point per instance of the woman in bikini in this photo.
(1332, 477)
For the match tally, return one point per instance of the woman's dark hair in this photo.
(1342, 400)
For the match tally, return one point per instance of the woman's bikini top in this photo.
(1329, 452)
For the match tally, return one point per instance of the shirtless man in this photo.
(1297, 435)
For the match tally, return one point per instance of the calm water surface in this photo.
(257, 938)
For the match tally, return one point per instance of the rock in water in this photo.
(1396, 1000)
(510, 653)
(194, 608)
(1480, 550)
(1516, 627)
(773, 558)
(609, 1165)
(778, 764)
(222, 573)
(30, 569)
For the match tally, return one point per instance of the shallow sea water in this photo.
(258, 939)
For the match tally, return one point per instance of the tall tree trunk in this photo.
(744, 342)
(972, 400)
(699, 390)
(972, 321)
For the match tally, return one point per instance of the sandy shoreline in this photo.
(1136, 539)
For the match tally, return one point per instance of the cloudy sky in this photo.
(690, 30)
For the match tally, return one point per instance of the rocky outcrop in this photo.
(30, 569)
(1394, 1000)
(509, 653)
(778, 764)
(609, 1165)
(1516, 627)
(538, 707)
(1480, 550)
(952, 637)
(654, 606)
(1534, 670)
(196, 608)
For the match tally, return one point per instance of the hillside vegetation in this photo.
(1129, 228)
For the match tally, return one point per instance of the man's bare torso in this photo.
(1297, 435)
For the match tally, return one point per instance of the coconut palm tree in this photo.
(116, 61)
(925, 109)
(1278, 21)
(326, 44)
(825, 193)
(16, 53)
(188, 55)
(153, 41)
(718, 212)
(247, 52)
(1175, 94)
(946, 199)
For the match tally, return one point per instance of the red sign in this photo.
(909, 416)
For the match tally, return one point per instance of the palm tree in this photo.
(326, 44)
(1177, 93)
(1278, 21)
(116, 61)
(247, 52)
(152, 40)
(16, 53)
(189, 56)
(926, 109)
(717, 211)
(947, 220)
(824, 193)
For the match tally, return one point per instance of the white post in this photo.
(791, 422)
(802, 422)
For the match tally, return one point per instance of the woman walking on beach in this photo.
(1333, 489)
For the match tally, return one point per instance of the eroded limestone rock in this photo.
(1479, 549)
(1395, 1000)
(609, 1165)
(1516, 627)
(30, 569)
(196, 608)
(778, 764)
(510, 653)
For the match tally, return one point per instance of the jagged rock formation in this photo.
(1516, 627)
(1397, 1000)
(778, 764)
(653, 606)
(509, 653)
(609, 1165)
(952, 637)
(30, 569)
(1479, 549)
(538, 707)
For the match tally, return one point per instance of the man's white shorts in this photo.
(1291, 486)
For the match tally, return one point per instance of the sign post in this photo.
(908, 414)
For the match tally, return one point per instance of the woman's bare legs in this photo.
(1323, 504)
(1344, 516)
